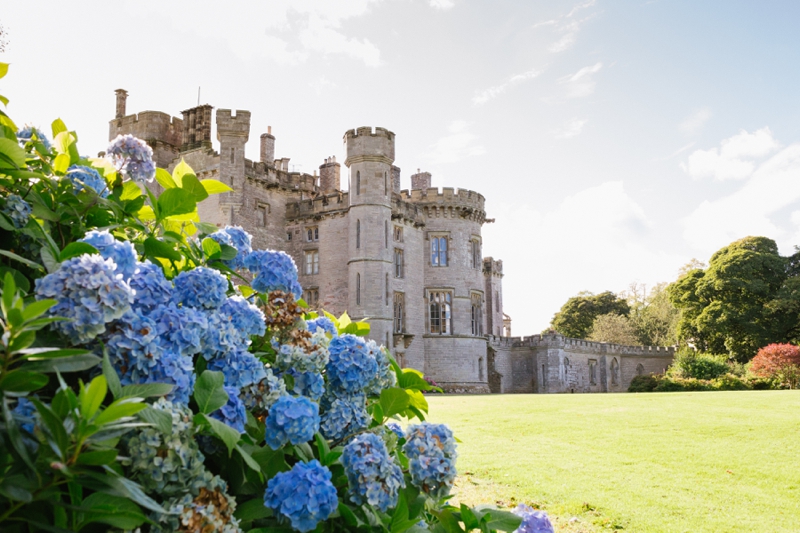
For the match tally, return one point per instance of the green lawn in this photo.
(671, 462)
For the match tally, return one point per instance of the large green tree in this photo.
(740, 303)
(576, 317)
(652, 314)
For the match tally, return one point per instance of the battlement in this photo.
(402, 210)
(150, 126)
(490, 266)
(319, 206)
(369, 130)
(447, 196)
(233, 124)
(366, 144)
(555, 340)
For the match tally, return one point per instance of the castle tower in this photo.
(122, 97)
(493, 276)
(196, 127)
(233, 132)
(369, 157)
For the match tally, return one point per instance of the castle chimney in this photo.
(330, 175)
(421, 180)
(122, 96)
(396, 179)
(268, 147)
(196, 126)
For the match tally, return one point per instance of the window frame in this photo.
(311, 263)
(399, 312)
(312, 233)
(476, 313)
(439, 249)
(440, 311)
(399, 263)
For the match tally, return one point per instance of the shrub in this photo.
(691, 364)
(779, 362)
(643, 383)
(730, 382)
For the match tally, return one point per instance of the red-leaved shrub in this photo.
(780, 362)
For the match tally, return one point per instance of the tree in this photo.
(614, 328)
(652, 315)
(727, 308)
(780, 362)
(577, 315)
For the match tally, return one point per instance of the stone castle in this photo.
(408, 261)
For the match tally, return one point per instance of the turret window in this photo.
(475, 252)
(398, 234)
(477, 314)
(440, 319)
(399, 266)
(312, 262)
(358, 182)
(312, 234)
(399, 312)
(311, 297)
(439, 251)
(358, 234)
(358, 289)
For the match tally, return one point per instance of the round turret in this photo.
(363, 144)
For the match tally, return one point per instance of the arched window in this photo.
(358, 289)
(386, 233)
(358, 233)
(566, 369)
(640, 369)
(440, 315)
(358, 182)
(387, 288)
(614, 372)
(385, 183)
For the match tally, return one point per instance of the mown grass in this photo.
(672, 462)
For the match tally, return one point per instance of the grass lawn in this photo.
(670, 462)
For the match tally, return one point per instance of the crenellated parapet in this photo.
(492, 267)
(407, 212)
(368, 144)
(150, 126)
(233, 125)
(448, 203)
(321, 206)
(557, 341)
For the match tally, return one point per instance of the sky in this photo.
(614, 141)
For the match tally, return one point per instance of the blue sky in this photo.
(614, 141)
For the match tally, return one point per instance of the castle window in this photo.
(312, 234)
(439, 251)
(640, 369)
(312, 262)
(480, 368)
(358, 234)
(311, 296)
(440, 316)
(288, 235)
(593, 371)
(398, 234)
(614, 371)
(399, 312)
(385, 183)
(398, 263)
(231, 155)
(497, 300)
(477, 314)
(386, 233)
(387, 288)
(262, 211)
(358, 289)
(358, 182)
(475, 252)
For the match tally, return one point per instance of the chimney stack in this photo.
(330, 175)
(122, 96)
(421, 180)
(268, 147)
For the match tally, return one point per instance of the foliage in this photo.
(614, 328)
(780, 362)
(691, 364)
(745, 299)
(671, 383)
(652, 315)
(146, 384)
(643, 383)
(576, 316)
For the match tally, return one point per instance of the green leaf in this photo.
(92, 396)
(110, 482)
(214, 186)
(13, 153)
(15, 257)
(74, 249)
(11, 489)
(348, 515)
(499, 520)
(229, 436)
(193, 186)
(112, 378)
(417, 400)
(394, 401)
(161, 420)
(252, 510)
(209, 392)
(228, 252)
(3, 69)
(49, 259)
(211, 248)
(413, 379)
(101, 457)
(61, 164)
(53, 428)
(164, 179)
(248, 460)
(130, 191)
(205, 227)
(63, 141)
(121, 408)
(468, 517)
(57, 127)
(343, 321)
(180, 170)
(15, 436)
(156, 248)
(175, 202)
(115, 511)
(74, 363)
(357, 328)
(22, 381)
(271, 461)
(146, 390)
(9, 293)
(37, 308)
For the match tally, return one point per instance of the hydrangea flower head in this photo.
(291, 419)
(308, 357)
(343, 415)
(233, 412)
(431, 452)
(238, 238)
(85, 178)
(28, 133)
(308, 384)
(201, 287)
(18, 210)
(208, 508)
(304, 495)
(373, 476)
(240, 368)
(385, 377)
(533, 521)
(275, 271)
(132, 158)
(245, 317)
(351, 366)
(25, 414)
(180, 329)
(259, 397)
(122, 253)
(396, 429)
(324, 323)
(89, 292)
(151, 288)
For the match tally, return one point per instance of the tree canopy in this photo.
(576, 317)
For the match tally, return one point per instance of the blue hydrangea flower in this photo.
(373, 476)
(18, 210)
(122, 253)
(385, 377)
(132, 158)
(204, 511)
(25, 414)
(27, 133)
(304, 495)
(89, 293)
(275, 271)
(201, 287)
(222, 336)
(240, 368)
(312, 357)
(343, 416)
(308, 384)
(238, 238)
(245, 317)
(180, 329)
(233, 412)
(532, 521)
(260, 396)
(84, 178)
(291, 419)
(396, 429)
(151, 288)
(351, 366)
(324, 323)
(431, 452)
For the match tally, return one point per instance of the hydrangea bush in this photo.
(147, 387)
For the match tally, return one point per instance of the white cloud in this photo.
(322, 84)
(584, 5)
(442, 4)
(571, 129)
(493, 92)
(567, 26)
(581, 83)
(734, 159)
(752, 209)
(457, 145)
(695, 122)
(320, 36)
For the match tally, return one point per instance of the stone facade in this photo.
(408, 261)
